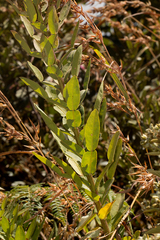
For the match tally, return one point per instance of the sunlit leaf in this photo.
(20, 234)
(53, 20)
(36, 87)
(40, 26)
(50, 164)
(89, 162)
(72, 93)
(73, 118)
(5, 224)
(104, 211)
(92, 130)
(36, 71)
(28, 25)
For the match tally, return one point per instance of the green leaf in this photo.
(153, 230)
(29, 7)
(71, 93)
(89, 162)
(54, 41)
(92, 130)
(92, 234)
(31, 229)
(20, 234)
(5, 224)
(21, 41)
(85, 220)
(74, 34)
(76, 61)
(154, 172)
(40, 26)
(120, 197)
(50, 164)
(38, 230)
(36, 87)
(54, 72)
(107, 187)
(69, 171)
(113, 166)
(64, 12)
(112, 147)
(36, 71)
(100, 177)
(47, 51)
(87, 76)
(27, 25)
(102, 113)
(73, 118)
(53, 20)
(99, 97)
(36, 54)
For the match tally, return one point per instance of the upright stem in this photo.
(98, 205)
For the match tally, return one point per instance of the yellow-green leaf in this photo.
(89, 162)
(71, 93)
(92, 130)
(73, 118)
(53, 20)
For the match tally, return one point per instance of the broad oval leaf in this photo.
(89, 162)
(92, 130)
(5, 224)
(36, 71)
(71, 93)
(20, 234)
(73, 118)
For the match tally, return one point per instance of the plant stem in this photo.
(98, 205)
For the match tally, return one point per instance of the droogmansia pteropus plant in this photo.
(78, 137)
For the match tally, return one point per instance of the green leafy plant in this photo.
(79, 135)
